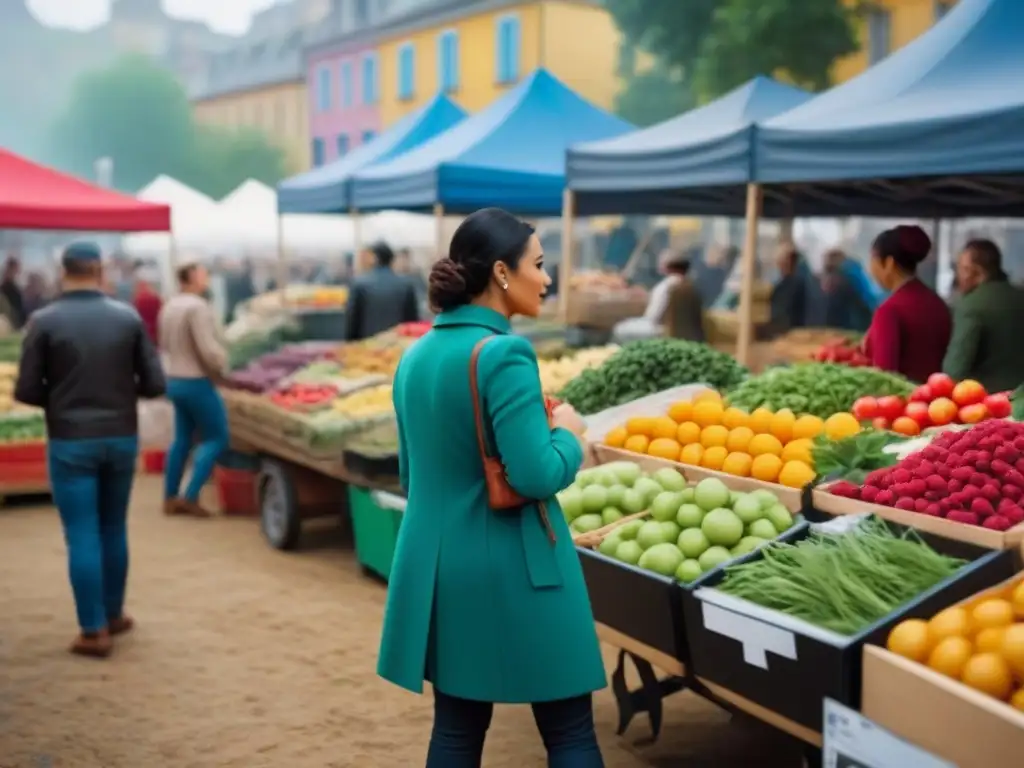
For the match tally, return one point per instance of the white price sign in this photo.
(853, 741)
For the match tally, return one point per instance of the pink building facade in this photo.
(344, 92)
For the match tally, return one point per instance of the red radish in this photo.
(996, 523)
(1012, 492)
(982, 507)
(905, 503)
(962, 516)
(1013, 513)
(886, 498)
(933, 510)
(921, 505)
(845, 489)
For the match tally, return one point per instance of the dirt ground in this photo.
(249, 658)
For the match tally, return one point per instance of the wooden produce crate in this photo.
(593, 309)
(790, 497)
(941, 715)
(822, 501)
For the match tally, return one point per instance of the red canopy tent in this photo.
(35, 197)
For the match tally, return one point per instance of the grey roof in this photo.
(253, 64)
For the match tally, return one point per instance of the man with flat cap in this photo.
(86, 359)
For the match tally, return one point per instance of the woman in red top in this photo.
(911, 329)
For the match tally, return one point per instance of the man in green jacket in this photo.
(987, 321)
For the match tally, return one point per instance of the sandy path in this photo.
(249, 658)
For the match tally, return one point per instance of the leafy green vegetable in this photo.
(820, 389)
(645, 367)
(842, 582)
(852, 458)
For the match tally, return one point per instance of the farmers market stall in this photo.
(23, 469)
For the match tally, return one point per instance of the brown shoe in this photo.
(121, 625)
(173, 507)
(192, 509)
(95, 645)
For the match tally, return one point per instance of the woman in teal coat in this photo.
(489, 606)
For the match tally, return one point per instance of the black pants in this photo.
(460, 726)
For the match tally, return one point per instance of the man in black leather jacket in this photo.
(379, 299)
(86, 359)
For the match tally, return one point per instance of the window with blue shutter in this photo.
(371, 79)
(368, 136)
(507, 47)
(406, 71)
(346, 84)
(323, 89)
(879, 35)
(318, 152)
(448, 61)
(342, 143)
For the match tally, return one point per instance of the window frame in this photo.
(406, 90)
(324, 85)
(318, 150)
(508, 52)
(371, 78)
(342, 144)
(347, 84)
(878, 18)
(448, 63)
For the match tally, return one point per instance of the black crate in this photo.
(643, 605)
(804, 668)
(371, 467)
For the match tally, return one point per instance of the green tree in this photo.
(724, 43)
(138, 114)
(652, 96)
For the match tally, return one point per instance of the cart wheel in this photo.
(279, 508)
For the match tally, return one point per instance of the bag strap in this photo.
(474, 392)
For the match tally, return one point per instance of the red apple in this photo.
(998, 405)
(919, 412)
(940, 385)
(865, 409)
(922, 394)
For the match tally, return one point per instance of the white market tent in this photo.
(194, 218)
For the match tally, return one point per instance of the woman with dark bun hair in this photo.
(911, 329)
(486, 598)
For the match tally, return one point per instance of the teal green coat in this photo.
(987, 325)
(482, 603)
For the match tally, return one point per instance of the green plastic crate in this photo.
(376, 517)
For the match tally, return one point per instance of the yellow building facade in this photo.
(280, 112)
(887, 27)
(478, 57)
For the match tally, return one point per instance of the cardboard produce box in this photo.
(945, 717)
(823, 501)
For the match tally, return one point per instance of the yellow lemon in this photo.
(687, 433)
(840, 425)
(807, 426)
(692, 454)
(738, 464)
(766, 467)
(760, 421)
(637, 443)
(796, 474)
(680, 411)
(714, 436)
(733, 418)
(739, 439)
(708, 412)
(616, 438)
(665, 427)
(664, 448)
(781, 425)
(708, 396)
(761, 444)
(640, 425)
(714, 457)
(798, 449)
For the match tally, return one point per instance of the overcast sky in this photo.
(230, 16)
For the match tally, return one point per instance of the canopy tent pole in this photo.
(282, 262)
(441, 251)
(357, 238)
(565, 266)
(755, 198)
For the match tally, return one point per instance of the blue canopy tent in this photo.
(936, 130)
(511, 155)
(328, 189)
(677, 166)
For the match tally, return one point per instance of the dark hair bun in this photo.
(446, 287)
(914, 242)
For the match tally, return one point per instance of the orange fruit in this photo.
(989, 640)
(692, 454)
(808, 426)
(761, 444)
(663, 426)
(640, 425)
(737, 463)
(766, 467)
(708, 396)
(781, 425)
(760, 421)
(1012, 648)
(734, 418)
(714, 457)
(988, 673)
(992, 613)
(950, 656)
(715, 435)
(910, 639)
(798, 449)
(664, 448)
(708, 412)
(1017, 700)
(840, 425)
(739, 439)
(616, 438)
(680, 411)
(637, 443)
(952, 622)
(796, 474)
(687, 433)
(1017, 600)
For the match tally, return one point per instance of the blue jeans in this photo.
(460, 726)
(198, 409)
(92, 483)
